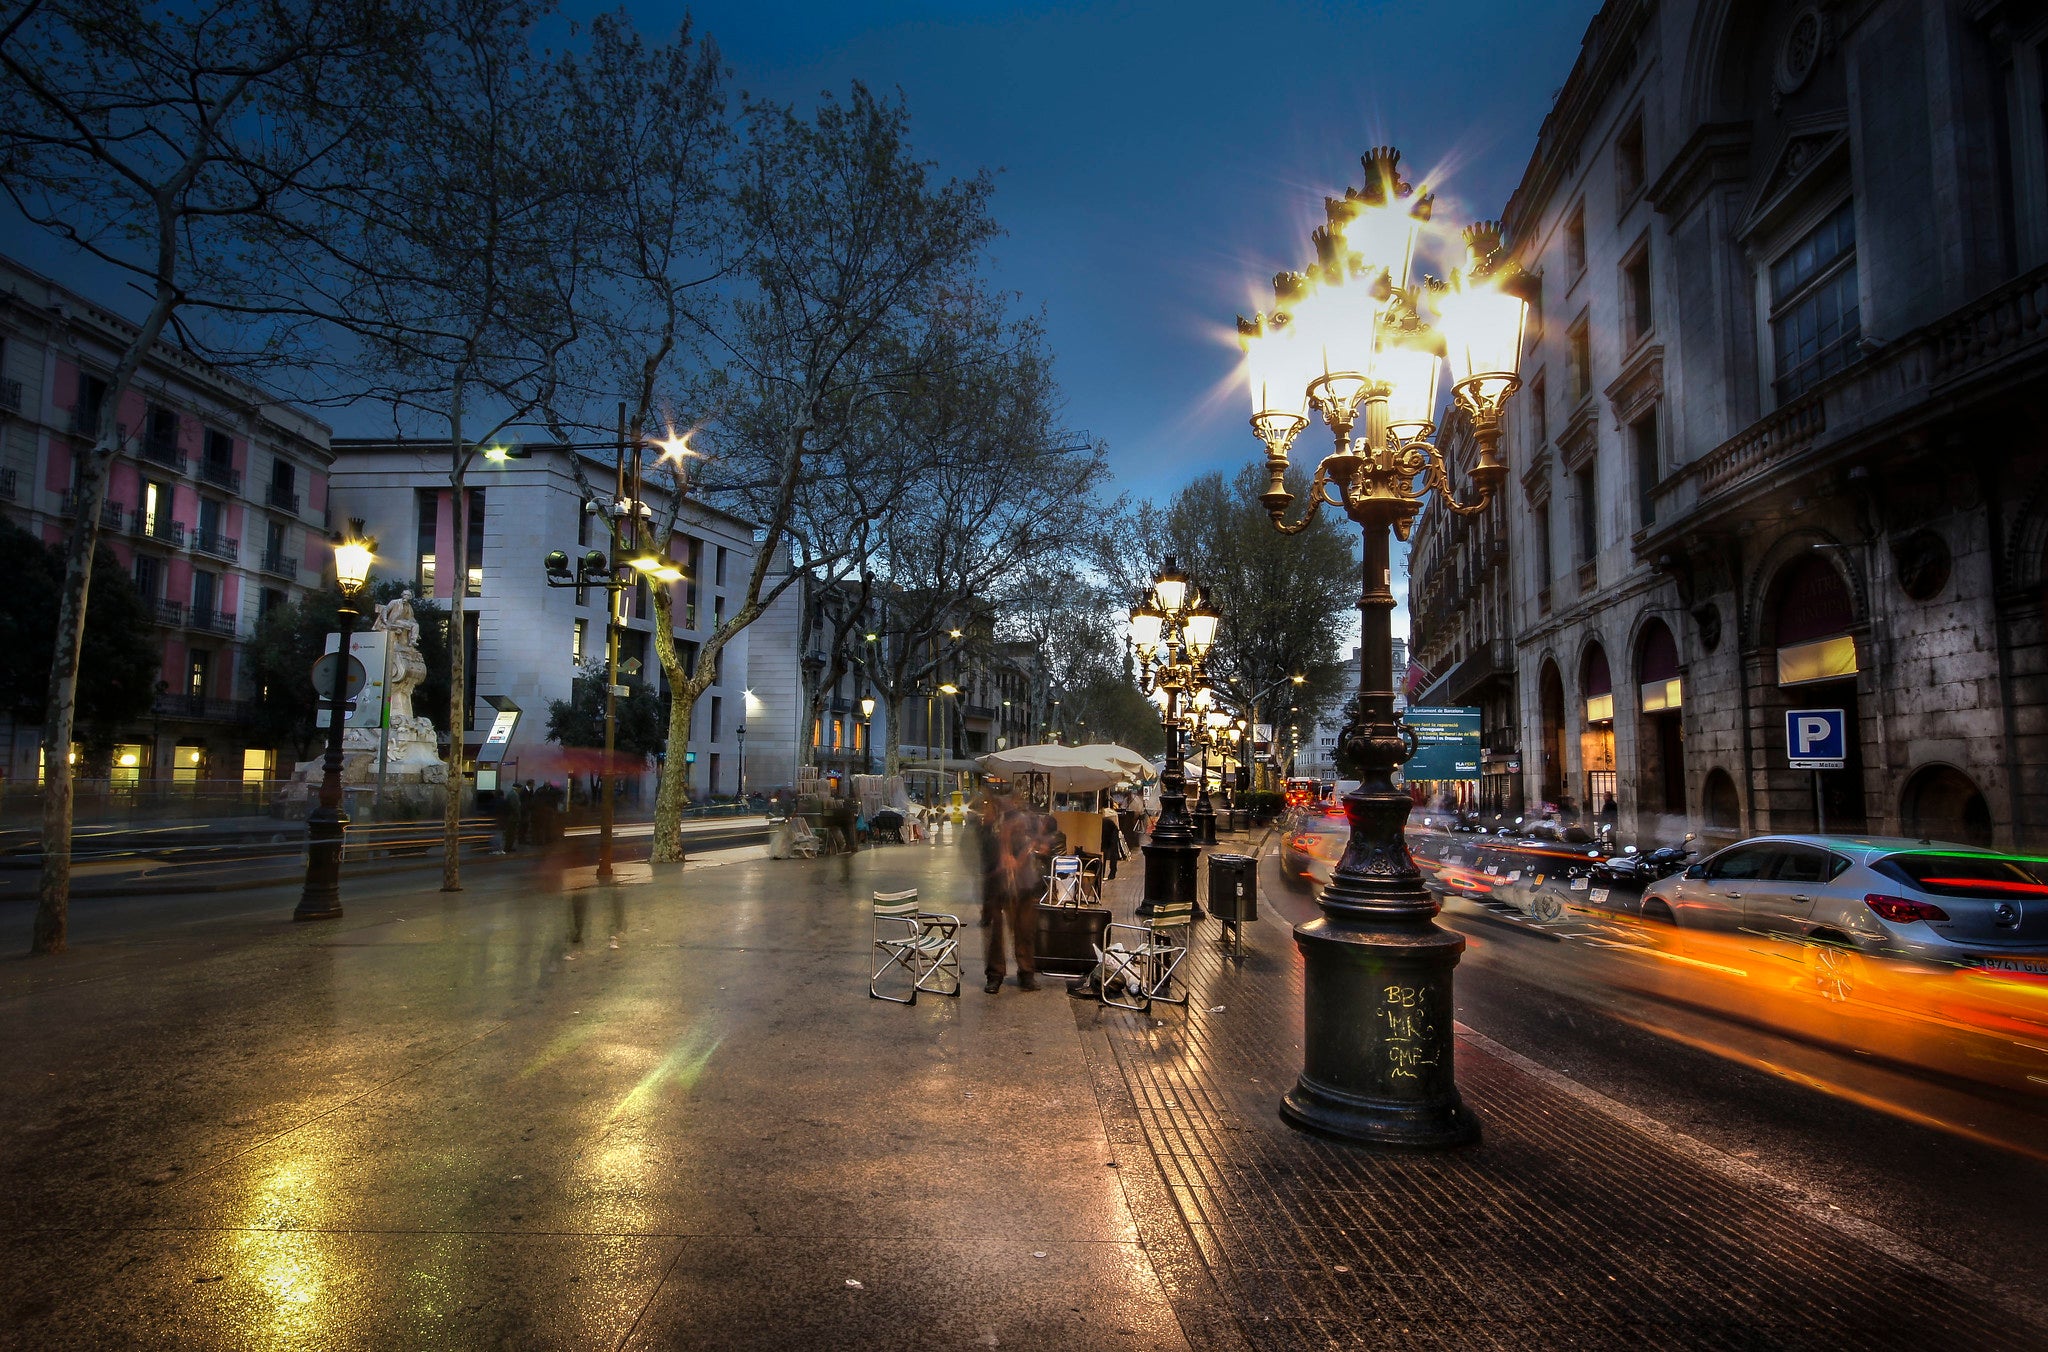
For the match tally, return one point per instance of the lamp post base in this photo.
(1171, 867)
(321, 899)
(1389, 1082)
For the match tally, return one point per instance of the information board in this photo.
(1449, 743)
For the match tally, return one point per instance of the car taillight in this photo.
(1899, 910)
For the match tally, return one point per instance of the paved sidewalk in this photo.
(443, 1122)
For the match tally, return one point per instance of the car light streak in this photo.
(1831, 1088)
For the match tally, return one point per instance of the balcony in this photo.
(282, 498)
(113, 516)
(222, 473)
(281, 563)
(10, 395)
(214, 543)
(171, 613)
(161, 451)
(162, 529)
(203, 707)
(211, 621)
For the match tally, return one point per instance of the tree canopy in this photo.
(118, 669)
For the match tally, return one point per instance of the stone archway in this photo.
(1940, 802)
(1813, 660)
(1550, 748)
(1660, 738)
(1596, 743)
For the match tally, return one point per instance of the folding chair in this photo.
(1066, 884)
(1145, 968)
(803, 841)
(925, 944)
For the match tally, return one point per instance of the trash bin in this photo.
(1233, 887)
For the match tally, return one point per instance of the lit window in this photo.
(576, 640)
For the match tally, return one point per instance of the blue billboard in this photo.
(1448, 743)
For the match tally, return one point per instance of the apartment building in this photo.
(218, 510)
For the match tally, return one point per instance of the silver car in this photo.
(1872, 896)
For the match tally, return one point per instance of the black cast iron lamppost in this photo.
(325, 827)
(867, 732)
(1172, 631)
(1348, 336)
(624, 517)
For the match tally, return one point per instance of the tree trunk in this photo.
(893, 763)
(672, 794)
(458, 686)
(53, 892)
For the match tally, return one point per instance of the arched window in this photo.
(1940, 802)
(1724, 808)
(1811, 619)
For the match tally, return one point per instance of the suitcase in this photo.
(1067, 937)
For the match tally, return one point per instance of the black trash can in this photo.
(1233, 887)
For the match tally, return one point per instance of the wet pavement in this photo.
(668, 1115)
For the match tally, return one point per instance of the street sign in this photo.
(1449, 743)
(499, 739)
(332, 669)
(1817, 739)
(368, 659)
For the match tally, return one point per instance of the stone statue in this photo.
(408, 667)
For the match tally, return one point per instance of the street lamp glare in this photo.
(867, 706)
(949, 689)
(353, 554)
(674, 448)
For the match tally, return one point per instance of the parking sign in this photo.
(1816, 739)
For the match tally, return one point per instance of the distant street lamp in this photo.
(741, 733)
(327, 824)
(613, 572)
(1172, 631)
(1348, 336)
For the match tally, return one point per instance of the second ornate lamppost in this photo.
(1348, 336)
(1172, 630)
(328, 824)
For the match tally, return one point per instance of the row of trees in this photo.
(421, 208)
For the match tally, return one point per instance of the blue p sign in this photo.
(1816, 739)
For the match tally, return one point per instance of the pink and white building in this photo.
(219, 513)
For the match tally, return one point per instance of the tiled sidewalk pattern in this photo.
(1562, 1229)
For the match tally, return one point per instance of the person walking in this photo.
(1022, 846)
(843, 817)
(1112, 837)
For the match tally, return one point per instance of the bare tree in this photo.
(458, 267)
(849, 252)
(1010, 493)
(156, 140)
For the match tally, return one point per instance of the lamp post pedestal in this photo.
(1173, 854)
(328, 824)
(1377, 1026)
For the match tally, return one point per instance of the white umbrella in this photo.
(1072, 769)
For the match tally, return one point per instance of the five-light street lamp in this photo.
(327, 824)
(1172, 630)
(624, 516)
(1349, 337)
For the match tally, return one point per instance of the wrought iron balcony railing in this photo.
(280, 562)
(221, 472)
(283, 498)
(214, 543)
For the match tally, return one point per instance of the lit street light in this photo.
(1349, 337)
(612, 572)
(327, 824)
(1172, 632)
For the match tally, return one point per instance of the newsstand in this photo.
(1234, 893)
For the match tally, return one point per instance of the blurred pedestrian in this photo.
(511, 815)
(1025, 840)
(1112, 837)
(842, 819)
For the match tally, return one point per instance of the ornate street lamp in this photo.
(867, 732)
(1348, 337)
(325, 827)
(626, 517)
(1172, 631)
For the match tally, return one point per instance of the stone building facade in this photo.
(218, 512)
(527, 640)
(1461, 606)
(1779, 446)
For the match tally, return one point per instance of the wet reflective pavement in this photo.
(444, 1121)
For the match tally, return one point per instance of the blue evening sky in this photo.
(1157, 162)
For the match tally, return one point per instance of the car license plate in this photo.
(2031, 966)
